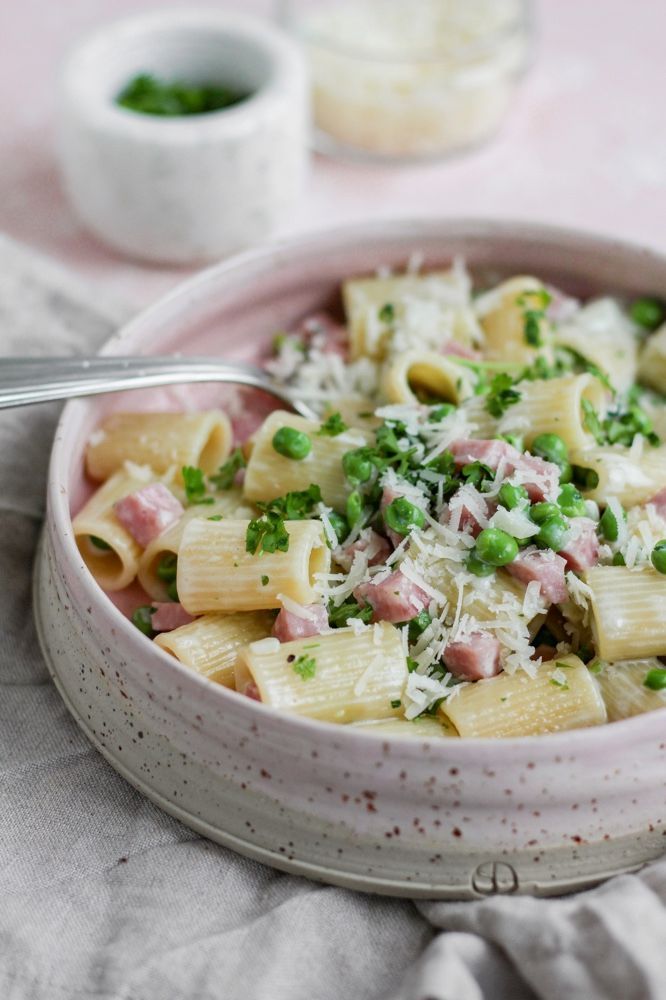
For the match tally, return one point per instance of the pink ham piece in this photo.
(395, 599)
(374, 544)
(289, 626)
(148, 512)
(658, 501)
(252, 691)
(582, 551)
(546, 568)
(491, 452)
(456, 350)
(169, 615)
(473, 658)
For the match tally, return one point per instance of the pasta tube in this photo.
(437, 298)
(602, 334)
(168, 543)
(628, 612)
(504, 324)
(425, 727)
(270, 474)
(338, 677)
(633, 480)
(624, 692)
(427, 374)
(115, 562)
(512, 705)
(652, 361)
(216, 573)
(160, 440)
(554, 406)
(210, 644)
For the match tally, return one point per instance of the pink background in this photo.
(584, 145)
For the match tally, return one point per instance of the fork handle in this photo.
(40, 380)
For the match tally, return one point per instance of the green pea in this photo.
(99, 543)
(496, 547)
(658, 556)
(587, 479)
(402, 516)
(477, 566)
(168, 567)
(354, 507)
(551, 447)
(418, 625)
(648, 312)
(357, 466)
(540, 512)
(339, 525)
(553, 533)
(571, 502)
(513, 439)
(291, 443)
(143, 619)
(440, 412)
(639, 421)
(511, 496)
(655, 679)
(608, 525)
(566, 473)
(172, 592)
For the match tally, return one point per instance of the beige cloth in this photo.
(103, 897)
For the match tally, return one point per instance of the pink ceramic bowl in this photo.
(449, 819)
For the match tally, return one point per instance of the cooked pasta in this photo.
(469, 540)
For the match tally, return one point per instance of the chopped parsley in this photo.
(267, 534)
(149, 95)
(396, 703)
(534, 305)
(214, 517)
(337, 617)
(305, 666)
(195, 485)
(294, 506)
(143, 619)
(225, 475)
(501, 395)
(332, 426)
(620, 426)
(387, 313)
(265, 580)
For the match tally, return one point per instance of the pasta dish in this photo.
(470, 541)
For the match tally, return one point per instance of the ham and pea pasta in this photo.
(470, 540)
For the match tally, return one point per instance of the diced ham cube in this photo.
(546, 568)
(457, 350)
(394, 599)
(473, 658)
(376, 546)
(582, 549)
(251, 691)
(169, 615)
(492, 451)
(658, 501)
(488, 452)
(288, 626)
(148, 512)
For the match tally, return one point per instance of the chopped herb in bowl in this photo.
(149, 95)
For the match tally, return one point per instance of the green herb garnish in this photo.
(387, 313)
(332, 426)
(267, 534)
(305, 666)
(265, 580)
(534, 305)
(143, 619)
(195, 485)
(99, 543)
(149, 95)
(501, 395)
(337, 617)
(225, 475)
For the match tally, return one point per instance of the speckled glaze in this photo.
(449, 819)
(185, 189)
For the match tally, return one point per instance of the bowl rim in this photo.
(193, 289)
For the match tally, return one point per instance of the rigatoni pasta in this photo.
(468, 541)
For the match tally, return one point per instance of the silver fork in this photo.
(40, 380)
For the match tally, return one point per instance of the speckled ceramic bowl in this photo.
(456, 818)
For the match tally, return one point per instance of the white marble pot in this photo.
(191, 188)
(449, 819)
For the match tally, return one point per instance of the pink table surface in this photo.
(585, 143)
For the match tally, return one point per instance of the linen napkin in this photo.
(104, 897)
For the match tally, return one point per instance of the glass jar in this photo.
(405, 80)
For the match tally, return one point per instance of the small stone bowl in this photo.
(186, 189)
